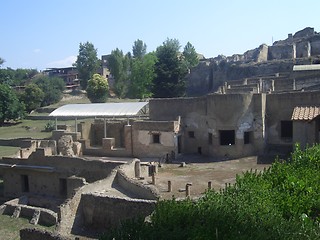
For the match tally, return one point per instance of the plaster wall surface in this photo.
(279, 108)
(305, 133)
(170, 109)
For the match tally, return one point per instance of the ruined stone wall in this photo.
(37, 234)
(135, 188)
(106, 212)
(280, 107)
(115, 129)
(315, 45)
(171, 108)
(44, 173)
(277, 52)
(143, 139)
(203, 118)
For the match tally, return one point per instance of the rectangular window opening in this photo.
(25, 183)
(191, 134)
(227, 137)
(286, 129)
(156, 138)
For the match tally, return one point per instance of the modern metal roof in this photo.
(305, 113)
(99, 110)
(311, 67)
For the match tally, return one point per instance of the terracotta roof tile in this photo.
(305, 113)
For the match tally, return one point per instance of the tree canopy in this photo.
(16, 77)
(52, 88)
(98, 89)
(119, 65)
(32, 97)
(190, 55)
(170, 70)
(142, 76)
(10, 106)
(1, 61)
(87, 62)
(139, 49)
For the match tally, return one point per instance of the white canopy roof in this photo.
(99, 110)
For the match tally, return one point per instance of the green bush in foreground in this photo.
(283, 202)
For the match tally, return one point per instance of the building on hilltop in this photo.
(68, 74)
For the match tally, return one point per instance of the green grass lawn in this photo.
(8, 151)
(28, 128)
(10, 227)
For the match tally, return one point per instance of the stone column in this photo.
(137, 169)
(169, 186)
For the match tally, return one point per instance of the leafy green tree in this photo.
(190, 55)
(18, 77)
(142, 76)
(87, 63)
(98, 88)
(119, 65)
(170, 71)
(32, 97)
(1, 61)
(139, 49)
(10, 106)
(52, 88)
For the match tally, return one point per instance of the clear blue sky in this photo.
(46, 33)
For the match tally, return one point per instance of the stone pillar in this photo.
(153, 178)
(137, 169)
(188, 185)
(128, 138)
(169, 186)
(108, 143)
(308, 49)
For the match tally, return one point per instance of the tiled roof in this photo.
(305, 113)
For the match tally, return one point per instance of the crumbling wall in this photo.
(143, 133)
(280, 107)
(106, 212)
(38, 234)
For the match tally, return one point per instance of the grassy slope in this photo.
(10, 227)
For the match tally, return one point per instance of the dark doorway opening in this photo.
(179, 144)
(200, 150)
(227, 137)
(286, 129)
(247, 137)
(210, 138)
(25, 183)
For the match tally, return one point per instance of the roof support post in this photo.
(56, 123)
(105, 127)
(76, 125)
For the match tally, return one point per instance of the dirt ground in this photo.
(199, 172)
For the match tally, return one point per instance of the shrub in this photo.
(283, 202)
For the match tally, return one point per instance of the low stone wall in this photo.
(135, 188)
(106, 212)
(15, 142)
(37, 234)
(47, 217)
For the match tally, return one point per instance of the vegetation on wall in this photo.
(283, 202)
